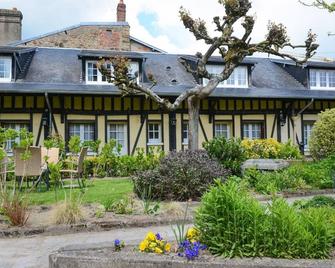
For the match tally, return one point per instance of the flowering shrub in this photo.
(154, 243)
(118, 245)
(270, 148)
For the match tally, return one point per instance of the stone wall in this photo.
(88, 37)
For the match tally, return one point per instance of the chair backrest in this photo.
(30, 167)
(52, 154)
(82, 154)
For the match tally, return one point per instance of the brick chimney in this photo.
(121, 11)
(10, 26)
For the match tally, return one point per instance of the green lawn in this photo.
(97, 191)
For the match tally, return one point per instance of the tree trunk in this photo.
(193, 123)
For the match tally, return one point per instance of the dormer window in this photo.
(322, 79)
(5, 69)
(238, 79)
(94, 76)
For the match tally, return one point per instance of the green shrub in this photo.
(315, 202)
(321, 143)
(228, 152)
(122, 206)
(317, 175)
(234, 224)
(180, 176)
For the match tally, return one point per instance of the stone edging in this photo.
(94, 226)
(296, 194)
(77, 256)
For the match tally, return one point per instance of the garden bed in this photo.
(92, 224)
(98, 256)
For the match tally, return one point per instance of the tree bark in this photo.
(193, 122)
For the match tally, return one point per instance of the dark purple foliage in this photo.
(180, 176)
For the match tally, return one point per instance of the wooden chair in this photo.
(31, 167)
(78, 168)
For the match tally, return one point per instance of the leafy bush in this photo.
(315, 202)
(319, 175)
(321, 143)
(228, 152)
(232, 223)
(122, 206)
(180, 176)
(270, 148)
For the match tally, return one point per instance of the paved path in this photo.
(34, 251)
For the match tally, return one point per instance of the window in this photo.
(307, 133)
(17, 127)
(94, 76)
(222, 130)
(253, 131)
(5, 69)
(154, 134)
(239, 77)
(322, 79)
(86, 131)
(185, 133)
(118, 132)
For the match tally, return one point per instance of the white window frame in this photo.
(7, 61)
(133, 68)
(155, 141)
(124, 149)
(251, 130)
(185, 131)
(233, 80)
(318, 73)
(219, 132)
(307, 129)
(82, 130)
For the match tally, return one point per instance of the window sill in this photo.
(155, 143)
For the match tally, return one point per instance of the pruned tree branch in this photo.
(320, 4)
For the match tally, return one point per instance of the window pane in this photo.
(154, 134)
(222, 130)
(92, 72)
(109, 68)
(307, 133)
(5, 68)
(312, 78)
(323, 79)
(185, 132)
(252, 130)
(331, 75)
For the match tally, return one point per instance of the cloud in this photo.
(166, 30)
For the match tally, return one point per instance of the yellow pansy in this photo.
(167, 247)
(158, 250)
(144, 245)
(151, 236)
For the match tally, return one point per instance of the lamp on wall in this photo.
(282, 118)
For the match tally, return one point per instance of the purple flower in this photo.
(190, 250)
(158, 237)
(117, 242)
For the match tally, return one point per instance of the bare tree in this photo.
(320, 4)
(233, 50)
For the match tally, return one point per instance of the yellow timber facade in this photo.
(47, 115)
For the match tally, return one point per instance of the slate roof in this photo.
(59, 70)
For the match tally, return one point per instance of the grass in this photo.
(98, 191)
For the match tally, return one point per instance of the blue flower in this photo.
(117, 242)
(158, 237)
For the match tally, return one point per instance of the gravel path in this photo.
(34, 251)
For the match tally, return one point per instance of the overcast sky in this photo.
(157, 22)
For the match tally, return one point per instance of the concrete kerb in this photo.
(103, 256)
